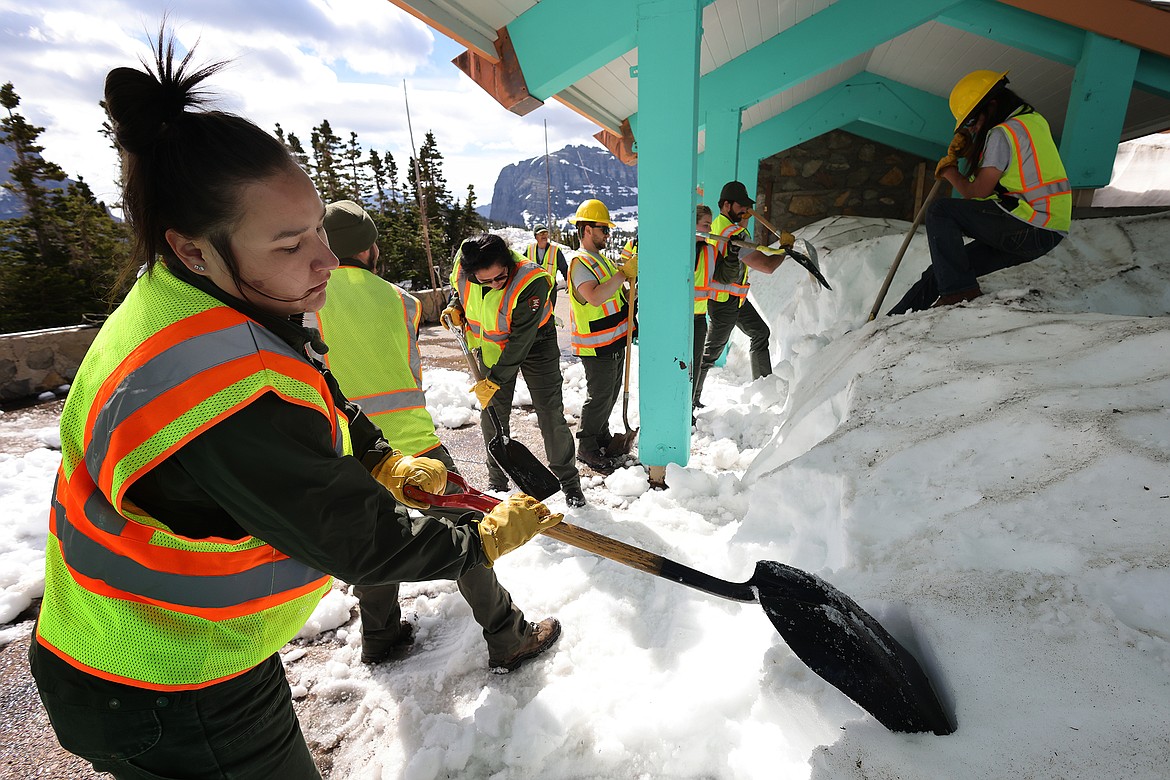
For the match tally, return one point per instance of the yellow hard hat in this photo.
(592, 210)
(971, 89)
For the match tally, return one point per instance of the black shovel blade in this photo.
(810, 266)
(518, 462)
(849, 649)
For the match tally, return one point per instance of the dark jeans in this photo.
(542, 374)
(603, 386)
(491, 605)
(726, 316)
(700, 341)
(243, 728)
(1000, 241)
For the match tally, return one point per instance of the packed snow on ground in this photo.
(989, 480)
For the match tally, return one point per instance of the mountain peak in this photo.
(526, 190)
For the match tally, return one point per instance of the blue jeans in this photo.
(1000, 241)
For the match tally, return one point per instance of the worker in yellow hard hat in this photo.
(1016, 200)
(599, 309)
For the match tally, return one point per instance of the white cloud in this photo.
(293, 63)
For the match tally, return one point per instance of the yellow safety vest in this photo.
(549, 264)
(371, 327)
(704, 264)
(488, 315)
(722, 291)
(126, 599)
(598, 330)
(1036, 176)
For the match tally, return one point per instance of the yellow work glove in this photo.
(630, 268)
(513, 522)
(456, 316)
(787, 240)
(960, 145)
(484, 389)
(947, 162)
(770, 250)
(395, 471)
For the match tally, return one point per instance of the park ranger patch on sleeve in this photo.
(534, 303)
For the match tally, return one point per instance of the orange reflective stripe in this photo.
(127, 680)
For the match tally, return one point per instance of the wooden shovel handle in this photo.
(881, 296)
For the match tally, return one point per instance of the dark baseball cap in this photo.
(735, 192)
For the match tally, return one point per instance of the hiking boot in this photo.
(950, 299)
(596, 461)
(376, 651)
(574, 497)
(541, 637)
(498, 486)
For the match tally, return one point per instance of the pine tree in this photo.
(377, 178)
(57, 262)
(356, 178)
(30, 169)
(327, 161)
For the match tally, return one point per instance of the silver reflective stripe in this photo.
(603, 338)
(393, 402)
(1049, 189)
(91, 559)
(101, 513)
(168, 370)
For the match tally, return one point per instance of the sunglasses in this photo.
(602, 228)
(494, 280)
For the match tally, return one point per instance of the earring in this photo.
(199, 268)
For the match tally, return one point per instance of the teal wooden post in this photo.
(1096, 110)
(720, 153)
(668, 94)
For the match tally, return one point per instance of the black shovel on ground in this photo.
(826, 629)
(517, 461)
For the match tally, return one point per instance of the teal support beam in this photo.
(720, 154)
(867, 97)
(824, 40)
(912, 144)
(1017, 28)
(1096, 110)
(553, 58)
(668, 34)
(1046, 38)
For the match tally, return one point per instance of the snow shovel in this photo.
(517, 461)
(827, 630)
(877, 304)
(809, 263)
(620, 444)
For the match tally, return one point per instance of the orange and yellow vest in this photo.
(126, 599)
(1036, 177)
(488, 314)
(704, 264)
(549, 264)
(598, 330)
(722, 291)
(371, 327)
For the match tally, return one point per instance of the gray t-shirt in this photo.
(997, 152)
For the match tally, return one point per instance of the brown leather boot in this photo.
(376, 651)
(541, 637)
(950, 299)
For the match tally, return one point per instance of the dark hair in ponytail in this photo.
(481, 252)
(996, 106)
(183, 167)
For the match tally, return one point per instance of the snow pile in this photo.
(990, 481)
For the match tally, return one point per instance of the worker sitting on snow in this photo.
(1016, 199)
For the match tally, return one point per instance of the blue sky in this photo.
(295, 62)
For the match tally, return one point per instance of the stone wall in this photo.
(41, 360)
(37, 361)
(841, 174)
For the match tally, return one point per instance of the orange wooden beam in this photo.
(621, 145)
(502, 79)
(1136, 23)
